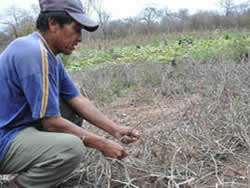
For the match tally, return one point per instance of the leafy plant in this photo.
(200, 48)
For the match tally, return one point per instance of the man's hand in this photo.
(127, 135)
(89, 112)
(114, 150)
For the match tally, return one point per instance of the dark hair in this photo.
(62, 18)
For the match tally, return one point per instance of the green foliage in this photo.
(65, 60)
(233, 46)
(239, 49)
(227, 36)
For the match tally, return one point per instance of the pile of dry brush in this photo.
(203, 142)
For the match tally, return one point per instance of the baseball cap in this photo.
(73, 7)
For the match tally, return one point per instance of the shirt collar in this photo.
(45, 42)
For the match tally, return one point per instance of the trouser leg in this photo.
(42, 159)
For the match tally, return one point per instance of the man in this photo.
(37, 143)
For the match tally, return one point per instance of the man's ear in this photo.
(53, 26)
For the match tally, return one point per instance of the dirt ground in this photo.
(145, 114)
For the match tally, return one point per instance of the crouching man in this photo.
(37, 143)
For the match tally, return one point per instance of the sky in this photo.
(130, 8)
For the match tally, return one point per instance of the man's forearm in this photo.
(108, 147)
(61, 125)
(89, 112)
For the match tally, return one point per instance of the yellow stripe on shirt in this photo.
(45, 75)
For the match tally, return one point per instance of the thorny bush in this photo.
(203, 142)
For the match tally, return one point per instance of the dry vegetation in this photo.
(193, 118)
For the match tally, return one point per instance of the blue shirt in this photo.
(32, 79)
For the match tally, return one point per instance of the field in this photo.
(189, 95)
(161, 49)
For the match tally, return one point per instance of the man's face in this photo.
(67, 38)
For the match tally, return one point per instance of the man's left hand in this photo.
(128, 135)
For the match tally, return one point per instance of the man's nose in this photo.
(79, 38)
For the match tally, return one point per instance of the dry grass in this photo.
(140, 39)
(195, 130)
(194, 120)
(127, 41)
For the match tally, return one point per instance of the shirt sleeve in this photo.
(68, 89)
(40, 88)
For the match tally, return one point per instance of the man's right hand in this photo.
(114, 150)
(108, 147)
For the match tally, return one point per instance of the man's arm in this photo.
(89, 112)
(108, 147)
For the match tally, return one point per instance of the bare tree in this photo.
(168, 20)
(242, 8)
(183, 14)
(150, 15)
(35, 10)
(103, 16)
(11, 18)
(88, 5)
(227, 6)
(18, 21)
(182, 19)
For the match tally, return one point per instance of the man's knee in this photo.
(71, 150)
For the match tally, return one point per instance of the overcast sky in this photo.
(131, 8)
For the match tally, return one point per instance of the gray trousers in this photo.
(42, 159)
